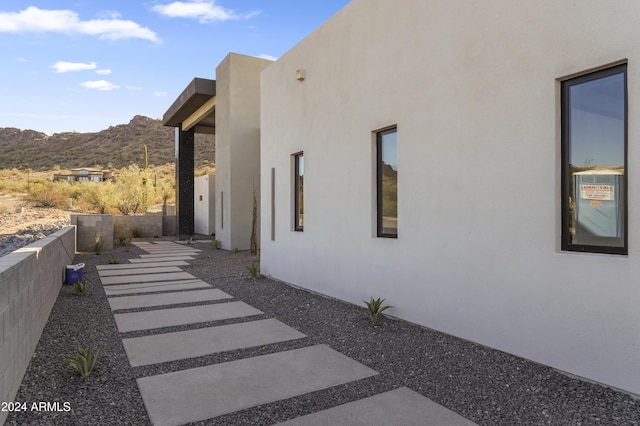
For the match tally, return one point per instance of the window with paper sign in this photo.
(594, 160)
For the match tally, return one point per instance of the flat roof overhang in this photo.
(194, 108)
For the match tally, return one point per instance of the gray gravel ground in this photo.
(486, 386)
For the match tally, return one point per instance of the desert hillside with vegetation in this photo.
(140, 153)
(115, 147)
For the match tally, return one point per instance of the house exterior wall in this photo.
(237, 147)
(474, 89)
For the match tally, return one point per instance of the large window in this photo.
(298, 204)
(594, 162)
(387, 182)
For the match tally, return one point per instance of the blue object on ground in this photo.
(74, 274)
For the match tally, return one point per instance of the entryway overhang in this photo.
(192, 112)
(194, 108)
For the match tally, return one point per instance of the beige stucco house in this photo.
(229, 108)
(471, 162)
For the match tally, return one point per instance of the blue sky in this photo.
(85, 65)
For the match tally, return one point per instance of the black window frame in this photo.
(298, 188)
(379, 174)
(566, 193)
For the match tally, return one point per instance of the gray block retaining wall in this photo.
(30, 280)
(92, 226)
(141, 226)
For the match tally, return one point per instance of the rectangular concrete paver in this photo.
(206, 392)
(171, 253)
(137, 271)
(166, 347)
(397, 407)
(143, 265)
(181, 316)
(113, 290)
(174, 298)
(162, 259)
(146, 278)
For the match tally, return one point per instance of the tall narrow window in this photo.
(594, 162)
(387, 182)
(298, 205)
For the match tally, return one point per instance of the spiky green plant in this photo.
(235, 250)
(84, 360)
(216, 244)
(97, 244)
(375, 308)
(113, 260)
(254, 270)
(80, 288)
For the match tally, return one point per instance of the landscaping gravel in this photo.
(486, 386)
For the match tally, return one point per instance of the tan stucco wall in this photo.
(237, 147)
(474, 90)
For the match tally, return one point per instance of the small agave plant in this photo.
(375, 308)
(84, 360)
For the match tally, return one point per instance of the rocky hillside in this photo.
(117, 147)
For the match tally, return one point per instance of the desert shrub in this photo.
(50, 194)
(134, 187)
(99, 197)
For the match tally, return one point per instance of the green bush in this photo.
(50, 194)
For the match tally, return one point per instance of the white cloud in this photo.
(109, 14)
(62, 66)
(269, 57)
(103, 71)
(21, 59)
(99, 85)
(33, 19)
(204, 11)
(160, 94)
(133, 87)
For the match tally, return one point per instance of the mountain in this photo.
(117, 147)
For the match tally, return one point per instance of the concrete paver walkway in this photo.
(114, 290)
(162, 259)
(204, 341)
(161, 318)
(145, 278)
(219, 389)
(400, 406)
(155, 283)
(149, 300)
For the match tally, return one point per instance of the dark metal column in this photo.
(184, 183)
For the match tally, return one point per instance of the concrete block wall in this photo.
(145, 226)
(30, 280)
(91, 225)
(169, 226)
